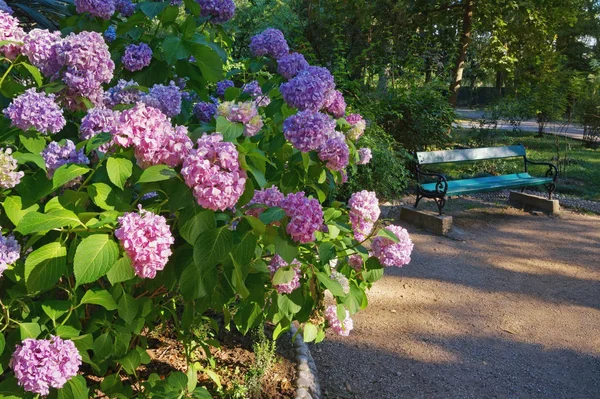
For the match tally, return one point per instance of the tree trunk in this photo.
(465, 39)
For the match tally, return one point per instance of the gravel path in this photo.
(513, 311)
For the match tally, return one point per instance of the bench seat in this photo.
(492, 183)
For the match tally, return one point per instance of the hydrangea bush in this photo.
(143, 185)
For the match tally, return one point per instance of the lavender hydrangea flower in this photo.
(4, 7)
(254, 90)
(10, 252)
(356, 262)
(41, 47)
(10, 30)
(123, 93)
(392, 253)
(205, 111)
(36, 110)
(358, 126)
(335, 104)
(364, 156)
(309, 89)
(364, 213)
(221, 11)
(342, 328)
(268, 196)
(306, 216)
(270, 42)
(56, 155)
(289, 65)
(166, 98)
(222, 86)
(125, 7)
(137, 57)
(254, 126)
(110, 34)
(9, 176)
(98, 8)
(308, 130)
(277, 263)
(335, 152)
(41, 364)
(241, 112)
(99, 120)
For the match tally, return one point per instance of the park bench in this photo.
(442, 188)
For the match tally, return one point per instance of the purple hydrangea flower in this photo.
(342, 328)
(9, 176)
(137, 57)
(241, 112)
(335, 152)
(306, 216)
(254, 90)
(308, 130)
(277, 263)
(222, 86)
(270, 42)
(364, 213)
(364, 156)
(288, 66)
(166, 98)
(4, 7)
(205, 111)
(41, 47)
(309, 89)
(36, 110)
(98, 8)
(123, 93)
(392, 253)
(254, 126)
(125, 7)
(10, 30)
(335, 104)
(356, 262)
(10, 252)
(221, 11)
(56, 155)
(110, 34)
(267, 196)
(99, 120)
(41, 364)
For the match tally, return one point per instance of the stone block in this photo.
(427, 220)
(533, 202)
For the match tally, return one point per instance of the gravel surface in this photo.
(512, 310)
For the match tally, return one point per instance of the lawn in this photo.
(580, 166)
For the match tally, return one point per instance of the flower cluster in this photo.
(147, 240)
(245, 113)
(276, 263)
(4, 7)
(308, 130)
(205, 111)
(125, 7)
(364, 156)
(41, 364)
(10, 30)
(99, 120)
(166, 98)
(335, 104)
(392, 253)
(222, 86)
(288, 66)
(358, 126)
(364, 213)
(306, 216)
(214, 174)
(339, 327)
(10, 252)
(356, 262)
(335, 152)
(99, 8)
(36, 110)
(254, 90)
(270, 42)
(125, 92)
(343, 280)
(9, 176)
(56, 155)
(110, 34)
(41, 47)
(153, 137)
(221, 11)
(267, 196)
(309, 89)
(137, 57)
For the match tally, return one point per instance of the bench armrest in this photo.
(552, 169)
(442, 183)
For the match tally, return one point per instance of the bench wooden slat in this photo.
(491, 183)
(472, 154)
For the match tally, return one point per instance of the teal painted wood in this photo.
(492, 183)
(472, 154)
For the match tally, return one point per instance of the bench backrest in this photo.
(471, 154)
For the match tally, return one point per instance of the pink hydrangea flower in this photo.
(364, 156)
(356, 262)
(342, 328)
(276, 263)
(36, 110)
(364, 212)
(10, 30)
(358, 126)
(9, 176)
(267, 196)
(390, 253)
(41, 364)
(306, 216)
(41, 47)
(335, 152)
(99, 120)
(147, 240)
(214, 174)
(10, 252)
(335, 103)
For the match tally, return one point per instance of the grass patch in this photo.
(580, 166)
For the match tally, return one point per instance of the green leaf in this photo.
(285, 249)
(287, 305)
(121, 271)
(208, 61)
(284, 275)
(13, 207)
(25, 157)
(152, 9)
(94, 257)
(213, 246)
(131, 361)
(67, 332)
(29, 330)
(229, 130)
(174, 50)
(75, 388)
(66, 173)
(34, 222)
(157, 173)
(326, 252)
(191, 227)
(193, 7)
(32, 142)
(119, 170)
(55, 309)
(102, 195)
(310, 332)
(96, 296)
(197, 279)
(246, 316)
(332, 285)
(45, 266)
(271, 215)
(103, 346)
(35, 73)
(97, 141)
(128, 308)
(238, 279)
(2, 343)
(388, 234)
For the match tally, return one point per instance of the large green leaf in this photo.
(174, 50)
(208, 61)
(190, 227)
(66, 173)
(332, 285)
(75, 388)
(100, 297)
(128, 308)
(34, 222)
(131, 361)
(45, 266)
(197, 279)
(212, 246)
(13, 207)
(156, 173)
(229, 130)
(94, 257)
(119, 170)
(121, 271)
(153, 8)
(29, 330)
(102, 195)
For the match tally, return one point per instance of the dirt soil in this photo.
(510, 309)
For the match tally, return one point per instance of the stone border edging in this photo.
(307, 382)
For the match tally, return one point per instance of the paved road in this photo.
(471, 117)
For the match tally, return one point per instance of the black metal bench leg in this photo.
(419, 197)
(440, 202)
(551, 188)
